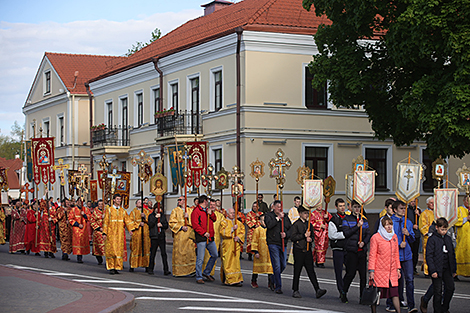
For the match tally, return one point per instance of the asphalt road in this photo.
(161, 293)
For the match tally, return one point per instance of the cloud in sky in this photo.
(23, 45)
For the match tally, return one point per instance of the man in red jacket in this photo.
(202, 219)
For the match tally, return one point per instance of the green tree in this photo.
(156, 34)
(406, 62)
(12, 145)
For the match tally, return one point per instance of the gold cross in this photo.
(142, 160)
(61, 167)
(280, 163)
(82, 175)
(408, 172)
(235, 177)
(209, 177)
(113, 177)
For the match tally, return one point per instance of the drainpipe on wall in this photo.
(239, 31)
(162, 147)
(90, 99)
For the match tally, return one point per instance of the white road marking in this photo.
(198, 299)
(145, 290)
(224, 309)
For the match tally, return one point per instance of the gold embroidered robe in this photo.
(65, 230)
(425, 221)
(184, 254)
(139, 258)
(231, 252)
(462, 250)
(80, 236)
(258, 243)
(96, 223)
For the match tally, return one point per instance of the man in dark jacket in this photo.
(337, 243)
(356, 248)
(202, 220)
(303, 256)
(157, 226)
(413, 215)
(275, 235)
(442, 265)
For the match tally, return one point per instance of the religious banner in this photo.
(463, 174)
(73, 183)
(197, 152)
(349, 187)
(222, 182)
(175, 155)
(94, 190)
(3, 179)
(158, 184)
(408, 181)
(329, 187)
(122, 188)
(445, 204)
(43, 160)
(313, 193)
(29, 160)
(439, 169)
(364, 187)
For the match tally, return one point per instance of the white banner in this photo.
(445, 204)
(313, 193)
(364, 187)
(408, 181)
(349, 187)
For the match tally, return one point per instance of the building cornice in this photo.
(46, 103)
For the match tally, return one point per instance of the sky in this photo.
(30, 28)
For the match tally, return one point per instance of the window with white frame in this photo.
(174, 96)
(316, 158)
(109, 114)
(47, 82)
(140, 109)
(46, 128)
(195, 106)
(217, 90)
(377, 159)
(156, 101)
(60, 130)
(314, 98)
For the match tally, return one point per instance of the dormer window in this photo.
(47, 82)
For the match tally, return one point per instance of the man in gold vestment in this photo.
(462, 250)
(217, 235)
(425, 221)
(262, 259)
(115, 219)
(184, 255)
(96, 223)
(78, 218)
(232, 231)
(139, 257)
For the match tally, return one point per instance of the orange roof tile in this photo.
(88, 66)
(286, 16)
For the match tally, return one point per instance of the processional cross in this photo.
(61, 167)
(408, 176)
(113, 177)
(104, 165)
(26, 190)
(82, 175)
(236, 176)
(209, 177)
(279, 162)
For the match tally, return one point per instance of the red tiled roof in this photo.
(88, 66)
(12, 166)
(286, 16)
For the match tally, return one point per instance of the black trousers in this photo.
(415, 250)
(304, 259)
(154, 245)
(355, 262)
(449, 287)
(338, 261)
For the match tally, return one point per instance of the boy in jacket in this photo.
(442, 265)
(303, 256)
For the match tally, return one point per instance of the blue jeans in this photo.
(201, 250)
(278, 261)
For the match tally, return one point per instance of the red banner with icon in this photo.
(197, 152)
(43, 160)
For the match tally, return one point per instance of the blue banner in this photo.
(29, 161)
(177, 165)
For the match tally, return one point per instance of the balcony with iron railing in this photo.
(113, 139)
(171, 123)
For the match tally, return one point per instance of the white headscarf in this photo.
(383, 232)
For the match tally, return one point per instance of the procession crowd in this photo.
(385, 254)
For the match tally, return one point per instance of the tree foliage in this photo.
(156, 34)
(407, 62)
(11, 145)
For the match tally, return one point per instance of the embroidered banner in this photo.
(408, 181)
(3, 179)
(364, 187)
(43, 160)
(349, 187)
(72, 180)
(94, 190)
(175, 154)
(313, 193)
(197, 163)
(122, 188)
(29, 161)
(445, 204)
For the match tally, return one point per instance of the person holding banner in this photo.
(462, 249)
(406, 237)
(31, 236)
(356, 249)
(65, 229)
(140, 251)
(252, 222)
(96, 222)
(157, 225)
(78, 218)
(18, 226)
(275, 237)
(320, 220)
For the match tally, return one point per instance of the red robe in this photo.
(321, 235)
(65, 230)
(96, 222)
(45, 232)
(252, 221)
(18, 229)
(80, 236)
(30, 234)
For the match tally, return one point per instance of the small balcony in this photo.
(182, 124)
(112, 140)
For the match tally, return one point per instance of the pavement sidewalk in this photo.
(26, 291)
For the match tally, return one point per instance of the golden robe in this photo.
(425, 221)
(184, 254)
(252, 221)
(96, 223)
(217, 240)
(382, 213)
(2, 227)
(462, 250)
(258, 243)
(65, 230)
(139, 258)
(80, 236)
(231, 252)
(115, 219)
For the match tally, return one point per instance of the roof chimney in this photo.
(215, 5)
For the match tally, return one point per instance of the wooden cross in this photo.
(26, 190)
(142, 160)
(408, 176)
(209, 177)
(61, 167)
(82, 174)
(113, 177)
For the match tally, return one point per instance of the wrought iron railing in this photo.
(111, 136)
(178, 123)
